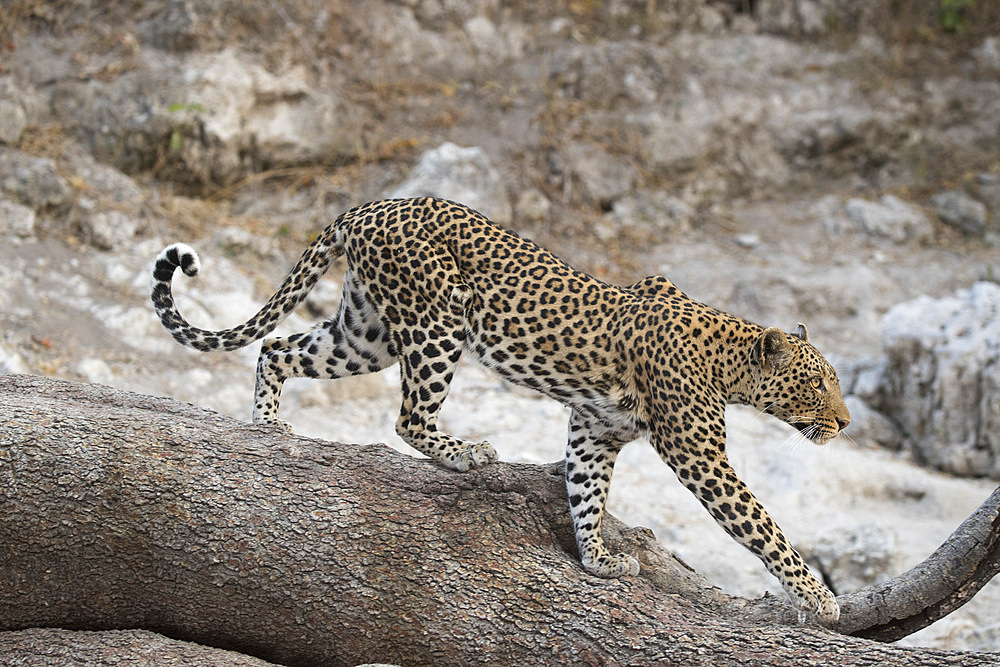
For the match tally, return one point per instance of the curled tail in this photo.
(313, 263)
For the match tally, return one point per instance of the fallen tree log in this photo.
(128, 648)
(125, 511)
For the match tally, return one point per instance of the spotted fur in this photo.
(428, 279)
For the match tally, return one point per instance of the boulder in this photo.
(650, 214)
(33, 181)
(988, 192)
(16, 220)
(943, 378)
(492, 44)
(987, 54)
(672, 142)
(852, 560)
(20, 106)
(11, 362)
(13, 123)
(602, 178)
(104, 182)
(958, 209)
(107, 229)
(533, 205)
(230, 105)
(464, 175)
(871, 426)
(889, 218)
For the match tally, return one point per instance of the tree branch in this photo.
(942, 583)
(126, 511)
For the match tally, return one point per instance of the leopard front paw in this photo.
(473, 455)
(815, 600)
(274, 424)
(612, 566)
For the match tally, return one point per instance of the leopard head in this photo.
(796, 384)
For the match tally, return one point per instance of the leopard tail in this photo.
(313, 263)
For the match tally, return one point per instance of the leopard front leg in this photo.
(745, 519)
(708, 475)
(590, 460)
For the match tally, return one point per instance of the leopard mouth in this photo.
(812, 431)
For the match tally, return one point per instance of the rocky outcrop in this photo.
(207, 117)
(942, 380)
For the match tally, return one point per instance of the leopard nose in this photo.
(843, 422)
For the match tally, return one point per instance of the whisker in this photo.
(790, 443)
(767, 407)
(849, 439)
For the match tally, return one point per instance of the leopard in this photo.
(428, 280)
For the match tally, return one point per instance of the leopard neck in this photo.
(714, 342)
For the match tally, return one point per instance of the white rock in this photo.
(95, 370)
(865, 555)
(868, 424)
(11, 362)
(749, 240)
(533, 205)
(673, 142)
(659, 212)
(602, 177)
(958, 209)
(987, 54)
(490, 42)
(890, 218)
(16, 220)
(13, 122)
(110, 229)
(238, 106)
(324, 299)
(464, 175)
(869, 379)
(942, 377)
(33, 180)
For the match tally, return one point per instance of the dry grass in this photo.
(15, 16)
(47, 141)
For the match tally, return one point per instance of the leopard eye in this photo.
(817, 383)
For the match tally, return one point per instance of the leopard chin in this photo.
(814, 432)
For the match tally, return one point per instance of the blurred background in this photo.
(832, 162)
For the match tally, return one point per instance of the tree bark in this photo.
(128, 648)
(126, 511)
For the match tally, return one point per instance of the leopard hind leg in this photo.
(427, 364)
(355, 341)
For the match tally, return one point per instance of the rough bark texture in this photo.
(127, 511)
(127, 648)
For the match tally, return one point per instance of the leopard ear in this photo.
(772, 350)
(801, 332)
